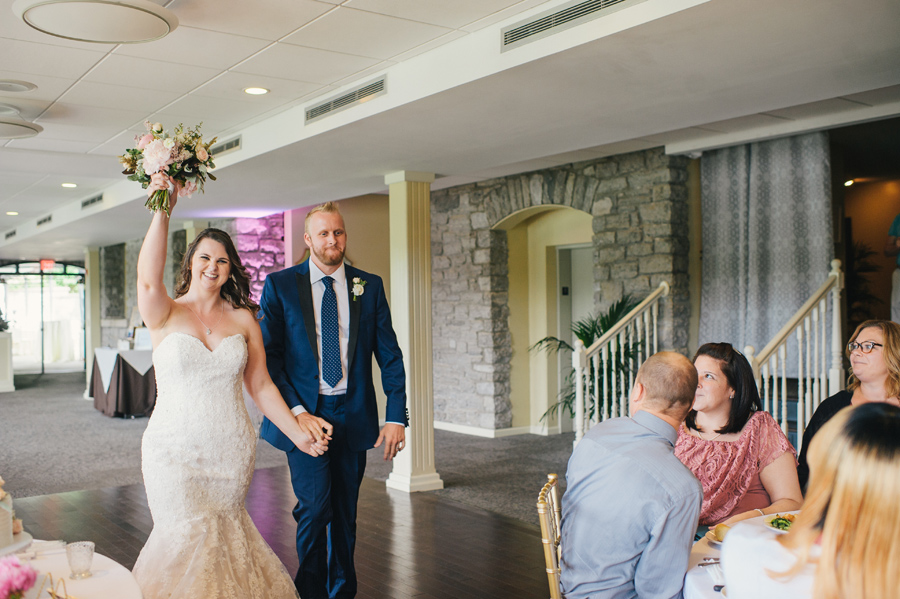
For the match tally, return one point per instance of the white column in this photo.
(91, 312)
(410, 236)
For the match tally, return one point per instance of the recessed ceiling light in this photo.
(8, 109)
(12, 213)
(848, 183)
(98, 21)
(13, 128)
(14, 86)
(69, 185)
(256, 91)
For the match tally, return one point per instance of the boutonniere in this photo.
(358, 287)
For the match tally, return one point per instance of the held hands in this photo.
(318, 431)
(394, 437)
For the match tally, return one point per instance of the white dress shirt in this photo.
(343, 305)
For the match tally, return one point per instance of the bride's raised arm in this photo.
(154, 302)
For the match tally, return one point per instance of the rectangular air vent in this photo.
(359, 95)
(10, 234)
(551, 22)
(45, 220)
(231, 145)
(91, 201)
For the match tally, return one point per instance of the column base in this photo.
(411, 484)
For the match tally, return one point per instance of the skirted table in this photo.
(123, 382)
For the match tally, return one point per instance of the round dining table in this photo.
(702, 581)
(108, 580)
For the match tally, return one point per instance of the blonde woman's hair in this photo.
(891, 352)
(852, 507)
(327, 208)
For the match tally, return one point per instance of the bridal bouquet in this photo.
(183, 156)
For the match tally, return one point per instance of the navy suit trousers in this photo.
(327, 490)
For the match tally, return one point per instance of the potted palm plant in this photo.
(588, 330)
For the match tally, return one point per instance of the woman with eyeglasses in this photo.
(874, 351)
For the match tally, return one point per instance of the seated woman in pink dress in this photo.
(738, 452)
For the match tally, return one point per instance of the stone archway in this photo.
(638, 203)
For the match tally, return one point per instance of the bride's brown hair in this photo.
(237, 289)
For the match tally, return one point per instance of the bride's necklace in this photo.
(208, 329)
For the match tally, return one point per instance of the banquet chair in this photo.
(549, 514)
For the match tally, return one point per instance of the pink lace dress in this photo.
(729, 470)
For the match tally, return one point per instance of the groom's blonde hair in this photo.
(327, 208)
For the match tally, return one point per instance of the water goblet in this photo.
(80, 555)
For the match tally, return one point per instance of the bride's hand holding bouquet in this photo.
(182, 158)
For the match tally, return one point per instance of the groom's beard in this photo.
(329, 256)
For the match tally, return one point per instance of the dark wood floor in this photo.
(409, 545)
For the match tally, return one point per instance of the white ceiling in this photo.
(687, 74)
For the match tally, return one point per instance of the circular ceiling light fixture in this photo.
(8, 110)
(15, 86)
(255, 91)
(69, 185)
(98, 21)
(14, 128)
(848, 182)
(12, 213)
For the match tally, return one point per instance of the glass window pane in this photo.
(29, 267)
(8, 268)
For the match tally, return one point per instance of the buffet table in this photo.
(123, 382)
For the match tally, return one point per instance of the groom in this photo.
(322, 321)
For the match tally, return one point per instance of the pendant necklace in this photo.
(208, 330)
(713, 438)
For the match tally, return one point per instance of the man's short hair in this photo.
(327, 208)
(670, 381)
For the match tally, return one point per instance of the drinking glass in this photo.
(80, 555)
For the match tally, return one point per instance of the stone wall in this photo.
(639, 205)
(260, 242)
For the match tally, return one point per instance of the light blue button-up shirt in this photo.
(629, 512)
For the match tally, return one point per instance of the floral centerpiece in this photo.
(15, 578)
(183, 156)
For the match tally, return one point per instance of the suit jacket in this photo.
(292, 354)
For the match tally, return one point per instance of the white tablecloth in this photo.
(139, 359)
(109, 580)
(698, 584)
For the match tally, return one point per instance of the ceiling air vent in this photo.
(359, 95)
(10, 234)
(45, 220)
(91, 201)
(551, 22)
(231, 145)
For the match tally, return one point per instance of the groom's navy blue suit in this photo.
(327, 487)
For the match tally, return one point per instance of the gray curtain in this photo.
(767, 235)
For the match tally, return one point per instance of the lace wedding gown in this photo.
(198, 455)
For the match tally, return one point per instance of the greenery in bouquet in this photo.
(15, 578)
(184, 156)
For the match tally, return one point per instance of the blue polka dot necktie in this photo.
(332, 371)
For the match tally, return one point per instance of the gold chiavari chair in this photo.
(549, 514)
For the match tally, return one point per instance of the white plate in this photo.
(768, 520)
(20, 541)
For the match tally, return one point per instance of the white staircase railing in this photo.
(604, 372)
(820, 371)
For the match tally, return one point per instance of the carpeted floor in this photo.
(52, 440)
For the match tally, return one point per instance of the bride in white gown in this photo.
(199, 447)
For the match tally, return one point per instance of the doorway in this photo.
(575, 275)
(43, 302)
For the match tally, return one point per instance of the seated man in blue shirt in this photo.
(630, 508)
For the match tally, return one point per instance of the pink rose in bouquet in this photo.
(183, 156)
(15, 578)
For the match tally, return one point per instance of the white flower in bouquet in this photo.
(183, 156)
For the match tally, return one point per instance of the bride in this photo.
(199, 448)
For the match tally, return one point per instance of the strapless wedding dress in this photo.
(198, 456)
